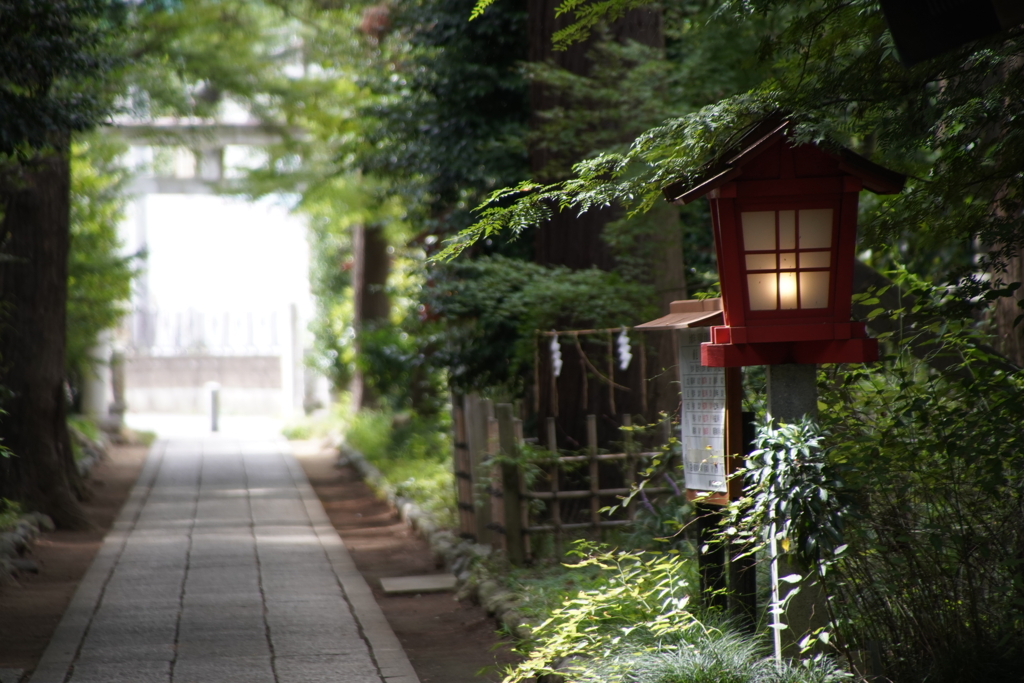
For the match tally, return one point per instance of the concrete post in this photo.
(214, 389)
(292, 375)
(793, 394)
(298, 387)
(119, 405)
(96, 390)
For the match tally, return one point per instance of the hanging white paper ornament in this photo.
(625, 355)
(556, 356)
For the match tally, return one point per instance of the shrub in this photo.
(633, 623)
(99, 277)
(412, 453)
(933, 577)
(719, 657)
(10, 513)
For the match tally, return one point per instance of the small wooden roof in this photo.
(758, 140)
(689, 313)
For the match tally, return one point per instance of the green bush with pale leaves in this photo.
(636, 624)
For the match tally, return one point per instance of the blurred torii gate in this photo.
(199, 155)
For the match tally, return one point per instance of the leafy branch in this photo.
(679, 149)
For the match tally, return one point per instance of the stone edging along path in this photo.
(16, 542)
(458, 555)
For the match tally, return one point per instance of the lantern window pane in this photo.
(761, 262)
(787, 229)
(758, 230)
(787, 291)
(814, 289)
(763, 291)
(787, 260)
(815, 259)
(815, 228)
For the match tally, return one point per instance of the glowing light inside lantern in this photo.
(788, 258)
(787, 290)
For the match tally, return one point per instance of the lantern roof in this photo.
(688, 313)
(762, 137)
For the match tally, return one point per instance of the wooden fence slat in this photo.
(463, 471)
(503, 521)
(627, 422)
(510, 485)
(606, 524)
(595, 495)
(496, 508)
(524, 510)
(475, 414)
(556, 505)
(589, 493)
(607, 456)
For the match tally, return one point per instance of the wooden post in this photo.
(595, 499)
(476, 443)
(743, 570)
(496, 508)
(510, 485)
(629, 449)
(524, 506)
(711, 564)
(463, 469)
(793, 394)
(556, 505)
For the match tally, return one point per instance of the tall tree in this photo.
(568, 239)
(33, 284)
(51, 55)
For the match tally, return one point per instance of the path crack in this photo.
(113, 567)
(188, 563)
(360, 629)
(259, 567)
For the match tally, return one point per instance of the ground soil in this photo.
(447, 641)
(30, 611)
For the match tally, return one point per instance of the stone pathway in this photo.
(223, 567)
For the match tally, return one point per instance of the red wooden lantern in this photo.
(785, 223)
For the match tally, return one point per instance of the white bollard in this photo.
(214, 389)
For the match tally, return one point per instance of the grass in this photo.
(10, 513)
(543, 588)
(631, 617)
(412, 453)
(142, 438)
(714, 656)
(87, 428)
(316, 426)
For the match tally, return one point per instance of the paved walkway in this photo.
(223, 567)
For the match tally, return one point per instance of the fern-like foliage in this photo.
(951, 123)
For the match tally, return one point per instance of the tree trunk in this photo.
(1010, 340)
(33, 287)
(670, 282)
(568, 239)
(371, 265)
(576, 241)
